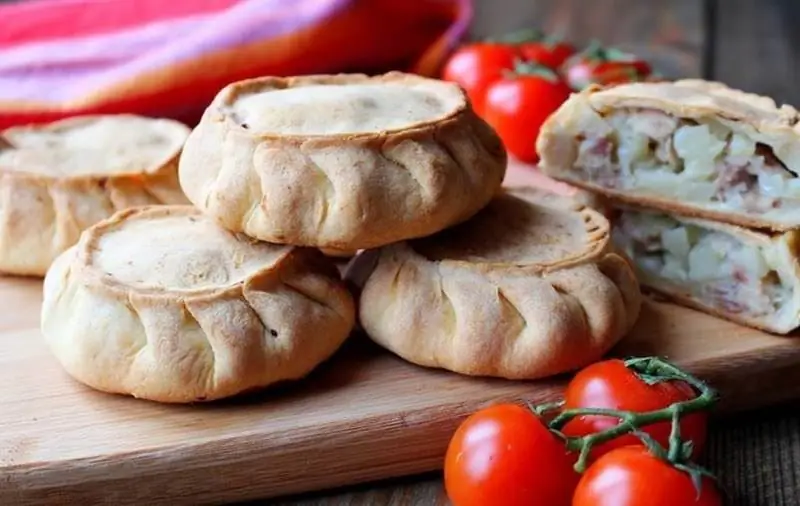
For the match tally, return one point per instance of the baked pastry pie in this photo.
(520, 291)
(58, 179)
(341, 162)
(694, 147)
(161, 303)
(745, 276)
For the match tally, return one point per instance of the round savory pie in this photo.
(342, 162)
(58, 179)
(521, 291)
(161, 303)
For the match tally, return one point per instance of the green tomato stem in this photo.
(522, 68)
(675, 443)
(543, 409)
(651, 370)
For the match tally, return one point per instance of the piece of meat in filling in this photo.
(649, 149)
(714, 267)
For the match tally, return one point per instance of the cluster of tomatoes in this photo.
(516, 82)
(509, 455)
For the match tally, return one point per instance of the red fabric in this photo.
(168, 58)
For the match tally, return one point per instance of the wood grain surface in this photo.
(756, 457)
(363, 416)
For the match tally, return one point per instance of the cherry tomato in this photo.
(504, 455)
(597, 65)
(475, 66)
(632, 476)
(517, 106)
(609, 384)
(549, 54)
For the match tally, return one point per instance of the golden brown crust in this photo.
(505, 226)
(675, 207)
(548, 303)
(274, 314)
(343, 191)
(42, 213)
(753, 116)
(697, 98)
(746, 235)
(228, 96)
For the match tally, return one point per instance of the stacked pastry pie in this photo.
(180, 303)
(453, 273)
(527, 288)
(703, 182)
(56, 180)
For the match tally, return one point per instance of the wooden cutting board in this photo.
(364, 415)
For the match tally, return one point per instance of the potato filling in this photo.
(713, 267)
(699, 162)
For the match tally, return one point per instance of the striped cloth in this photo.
(169, 57)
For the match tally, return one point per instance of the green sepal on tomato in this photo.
(517, 105)
(535, 46)
(603, 66)
(507, 455)
(636, 476)
(611, 384)
(477, 65)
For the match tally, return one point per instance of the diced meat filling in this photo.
(712, 266)
(700, 162)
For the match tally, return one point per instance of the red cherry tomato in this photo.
(549, 54)
(609, 384)
(632, 476)
(476, 66)
(517, 106)
(505, 455)
(597, 65)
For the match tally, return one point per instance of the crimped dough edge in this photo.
(42, 215)
(505, 320)
(344, 191)
(196, 345)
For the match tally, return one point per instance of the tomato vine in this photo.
(650, 370)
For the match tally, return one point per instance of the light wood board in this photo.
(364, 415)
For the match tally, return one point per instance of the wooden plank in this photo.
(757, 47)
(363, 416)
(756, 457)
(669, 33)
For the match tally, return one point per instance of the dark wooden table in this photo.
(749, 44)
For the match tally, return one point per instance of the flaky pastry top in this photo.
(756, 116)
(92, 146)
(517, 232)
(173, 249)
(337, 105)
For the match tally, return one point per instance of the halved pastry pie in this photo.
(749, 277)
(341, 162)
(58, 179)
(690, 146)
(162, 303)
(522, 290)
